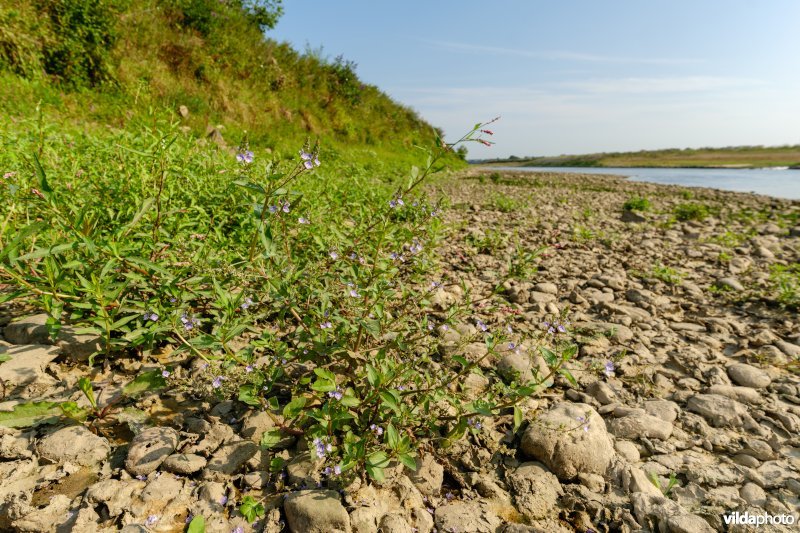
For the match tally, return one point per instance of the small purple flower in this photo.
(237, 529)
(584, 422)
(326, 325)
(415, 248)
(189, 518)
(223, 500)
(397, 202)
(217, 383)
(376, 429)
(334, 255)
(245, 157)
(337, 470)
(475, 423)
(189, 322)
(248, 368)
(152, 317)
(435, 284)
(141, 477)
(247, 303)
(327, 471)
(151, 520)
(285, 206)
(165, 373)
(609, 369)
(337, 394)
(481, 325)
(303, 220)
(309, 160)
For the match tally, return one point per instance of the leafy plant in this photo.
(690, 211)
(785, 283)
(666, 274)
(251, 509)
(655, 480)
(637, 203)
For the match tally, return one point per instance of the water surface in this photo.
(778, 182)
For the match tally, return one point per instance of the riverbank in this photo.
(680, 406)
(734, 157)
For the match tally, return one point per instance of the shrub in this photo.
(690, 211)
(637, 203)
(318, 312)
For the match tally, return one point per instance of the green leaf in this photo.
(408, 460)
(85, 385)
(392, 437)
(276, 464)
(4, 358)
(71, 410)
(549, 356)
(146, 205)
(373, 377)
(248, 394)
(271, 438)
(461, 360)
(349, 399)
(43, 185)
(251, 186)
(146, 381)
(197, 525)
(375, 464)
(390, 401)
(30, 414)
(517, 418)
(251, 509)
(323, 385)
(566, 373)
(294, 407)
(325, 374)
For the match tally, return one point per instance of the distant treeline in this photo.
(735, 156)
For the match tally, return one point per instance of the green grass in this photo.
(637, 203)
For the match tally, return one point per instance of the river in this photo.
(778, 182)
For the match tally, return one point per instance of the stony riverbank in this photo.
(687, 370)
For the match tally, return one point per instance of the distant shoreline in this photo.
(578, 167)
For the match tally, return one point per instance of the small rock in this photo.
(720, 411)
(73, 444)
(149, 449)
(316, 511)
(229, 458)
(628, 450)
(429, 475)
(183, 111)
(569, 439)
(536, 490)
(395, 523)
(748, 376)
(732, 284)
(640, 425)
(514, 366)
(602, 392)
(467, 516)
(753, 494)
(546, 287)
(632, 216)
(184, 463)
(256, 423)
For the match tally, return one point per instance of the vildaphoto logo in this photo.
(746, 518)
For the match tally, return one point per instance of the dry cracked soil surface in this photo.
(687, 398)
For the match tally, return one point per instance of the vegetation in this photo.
(297, 278)
(637, 203)
(730, 157)
(690, 211)
(112, 62)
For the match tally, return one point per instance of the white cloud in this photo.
(558, 55)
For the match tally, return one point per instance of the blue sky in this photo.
(574, 76)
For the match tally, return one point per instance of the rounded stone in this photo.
(73, 444)
(570, 439)
(184, 463)
(748, 376)
(149, 449)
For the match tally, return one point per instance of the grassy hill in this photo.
(733, 157)
(117, 63)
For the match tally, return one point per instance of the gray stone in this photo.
(394, 523)
(536, 490)
(429, 476)
(628, 450)
(664, 409)
(184, 463)
(316, 511)
(514, 366)
(73, 444)
(602, 392)
(720, 411)
(732, 284)
(753, 494)
(546, 287)
(256, 423)
(748, 376)
(33, 330)
(149, 449)
(635, 426)
(467, 516)
(229, 458)
(24, 374)
(570, 439)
